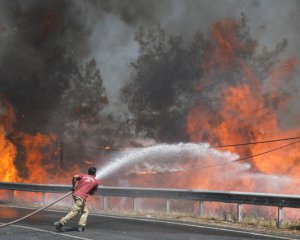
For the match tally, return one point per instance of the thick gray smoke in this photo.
(43, 42)
(104, 29)
(113, 23)
(38, 53)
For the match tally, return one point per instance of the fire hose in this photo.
(37, 211)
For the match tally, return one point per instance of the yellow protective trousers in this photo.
(79, 208)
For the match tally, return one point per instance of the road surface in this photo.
(102, 227)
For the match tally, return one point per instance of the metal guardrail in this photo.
(240, 198)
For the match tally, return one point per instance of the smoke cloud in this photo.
(42, 41)
(112, 25)
(105, 29)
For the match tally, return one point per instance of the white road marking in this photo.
(171, 223)
(55, 233)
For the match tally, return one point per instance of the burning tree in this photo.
(239, 86)
(239, 92)
(169, 79)
(39, 59)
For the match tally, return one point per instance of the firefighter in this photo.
(83, 185)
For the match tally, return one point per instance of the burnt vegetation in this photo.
(171, 76)
(53, 91)
(42, 74)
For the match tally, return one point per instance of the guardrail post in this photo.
(280, 217)
(43, 198)
(104, 201)
(134, 204)
(12, 195)
(201, 209)
(239, 215)
(168, 206)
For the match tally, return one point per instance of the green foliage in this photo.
(163, 79)
(86, 96)
(80, 110)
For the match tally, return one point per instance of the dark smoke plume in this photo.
(42, 44)
(38, 56)
(42, 41)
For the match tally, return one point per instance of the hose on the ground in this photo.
(37, 211)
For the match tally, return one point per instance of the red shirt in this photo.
(86, 184)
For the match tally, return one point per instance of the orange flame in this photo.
(246, 110)
(40, 154)
(39, 150)
(243, 109)
(8, 171)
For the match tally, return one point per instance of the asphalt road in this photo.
(101, 227)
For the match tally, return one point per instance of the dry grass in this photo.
(227, 219)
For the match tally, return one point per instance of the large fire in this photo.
(240, 104)
(40, 154)
(245, 109)
(8, 171)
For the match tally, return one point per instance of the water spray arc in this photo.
(168, 151)
(237, 160)
(136, 155)
(164, 153)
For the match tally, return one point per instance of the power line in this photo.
(251, 143)
(107, 148)
(225, 163)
